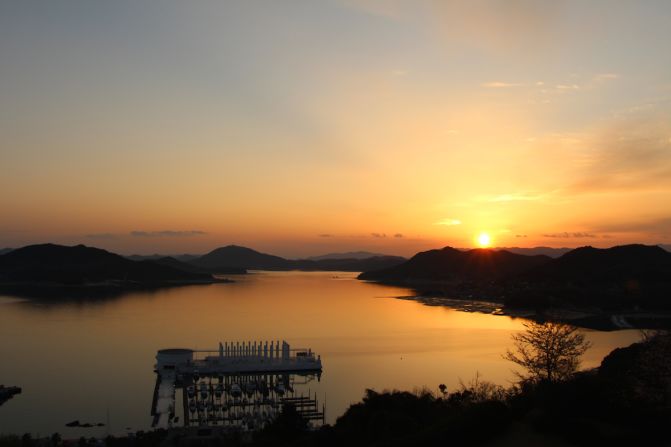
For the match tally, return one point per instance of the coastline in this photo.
(37, 290)
(588, 318)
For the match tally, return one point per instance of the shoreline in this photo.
(597, 319)
(37, 290)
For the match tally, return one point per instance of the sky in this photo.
(305, 127)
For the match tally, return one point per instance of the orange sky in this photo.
(297, 129)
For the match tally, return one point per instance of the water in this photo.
(94, 361)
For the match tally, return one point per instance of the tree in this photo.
(548, 351)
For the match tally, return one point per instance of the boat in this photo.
(250, 387)
(236, 391)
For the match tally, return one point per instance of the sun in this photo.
(484, 240)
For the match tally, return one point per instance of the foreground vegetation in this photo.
(626, 401)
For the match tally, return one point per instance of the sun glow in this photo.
(484, 240)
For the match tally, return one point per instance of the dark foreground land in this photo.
(626, 401)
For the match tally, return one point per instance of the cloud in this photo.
(499, 84)
(659, 226)
(167, 233)
(521, 27)
(520, 235)
(102, 236)
(448, 222)
(601, 77)
(515, 197)
(378, 235)
(566, 235)
(325, 235)
(633, 152)
(398, 235)
(567, 87)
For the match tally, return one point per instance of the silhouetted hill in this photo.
(621, 263)
(348, 255)
(450, 264)
(155, 256)
(243, 257)
(617, 279)
(81, 265)
(533, 251)
(4, 251)
(233, 256)
(628, 276)
(348, 265)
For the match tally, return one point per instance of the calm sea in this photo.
(93, 361)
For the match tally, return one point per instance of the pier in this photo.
(240, 385)
(7, 392)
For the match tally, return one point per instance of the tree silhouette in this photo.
(548, 351)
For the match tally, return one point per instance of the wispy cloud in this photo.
(378, 235)
(567, 235)
(657, 226)
(325, 235)
(167, 233)
(448, 222)
(567, 87)
(515, 197)
(601, 77)
(634, 152)
(500, 84)
(398, 235)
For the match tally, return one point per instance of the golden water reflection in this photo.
(87, 360)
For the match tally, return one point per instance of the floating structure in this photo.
(241, 385)
(7, 392)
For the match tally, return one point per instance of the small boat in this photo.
(203, 391)
(250, 387)
(236, 391)
(191, 391)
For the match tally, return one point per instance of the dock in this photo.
(240, 385)
(7, 392)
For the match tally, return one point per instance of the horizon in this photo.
(666, 247)
(169, 129)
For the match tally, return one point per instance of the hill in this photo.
(348, 265)
(620, 263)
(637, 276)
(347, 255)
(533, 251)
(233, 256)
(618, 279)
(450, 264)
(242, 257)
(155, 256)
(80, 265)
